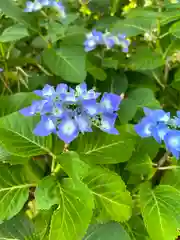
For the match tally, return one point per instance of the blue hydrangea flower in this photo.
(29, 6)
(172, 141)
(45, 127)
(159, 132)
(107, 123)
(176, 120)
(157, 115)
(144, 127)
(68, 112)
(60, 8)
(110, 102)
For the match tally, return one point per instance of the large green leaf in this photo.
(171, 177)
(146, 59)
(160, 210)
(15, 102)
(127, 110)
(14, 190)
(73, 165)
(18, 228)
(112, 199)
(134, 26)
(96, 72)
(17, 136)
(67, 62)
(14, 33)
(6, 157)
(136, 228)
(70, 221)
(47, 193)
(111, 230)
(99, 147)
(42, 223)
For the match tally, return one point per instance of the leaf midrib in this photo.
(16, 187)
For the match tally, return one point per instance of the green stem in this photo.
(53, 163)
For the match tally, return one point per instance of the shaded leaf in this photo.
(111, 230)
(14, 33)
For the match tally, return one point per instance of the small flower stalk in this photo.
(68, 112)
(159, 125)
(96, 38)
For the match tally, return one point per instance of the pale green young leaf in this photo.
(160, 209)
(17, 136)
(14, 33)
(112, 199)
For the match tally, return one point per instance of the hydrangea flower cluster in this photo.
(159, 125)
(68, 112)
(39, 4)
(96, 38)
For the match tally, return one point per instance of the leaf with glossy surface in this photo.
(102, 148)
(112, 199)
(111, 230)
(70, 221)
(17, 136)
(14, 190)
(67, 62)
(160, 210)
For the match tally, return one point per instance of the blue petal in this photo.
(107, 123)
(157, 114)
(89, 45)
(58, 110)
(91, 94)
(45, 2)
(35, 107)
(67, 130)
(109, 41)
(29, 6)
(110, 102)
(178, 114)
(159, 132)
(83, 123)
(98, 36)
(144, 128)
(81, 89)
(91, 107)
(45, 127)
(62, 88)
(172, 140)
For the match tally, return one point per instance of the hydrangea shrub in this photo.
(89, 120)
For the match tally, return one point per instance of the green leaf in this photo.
(127, 110)
(112, 230)
(145, 59)
(42, 223)
(172, 178)
(67, 62)
(112, 199)
(136, 229)
(134, 26)
(119, 82)
(142, 96)
(15, 102)
(101, 148)
(77, 33)
(47, 193)
(6, 157)
(176, 81)
(73, 166)
(14, 190)
(160, 210)
(175, 29)
(70, 221)
(97, 73)
(18, 228)
(14, 33)
(17, 136)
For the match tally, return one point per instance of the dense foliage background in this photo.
(100, 186)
